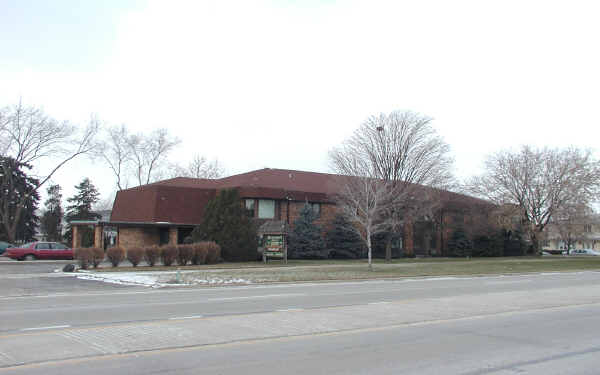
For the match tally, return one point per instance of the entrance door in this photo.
(163, 236)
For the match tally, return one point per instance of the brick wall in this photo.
(130, 237)
(325, 219)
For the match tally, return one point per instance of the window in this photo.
(266, 209)
(250, 207)
(58, 246)
(42, 246)
(587, 228)
(316, 209)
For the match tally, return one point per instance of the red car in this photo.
(40, 250)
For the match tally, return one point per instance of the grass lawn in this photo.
(319, 270)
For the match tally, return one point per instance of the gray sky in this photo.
(279, 83)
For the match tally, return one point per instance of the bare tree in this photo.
(402, 148)
(148, 151)
(138, 157)
(363, 198)
(106, 203)
(199, 167)
(115, 152)
(540, 182)
(568, 224)
(28, 135)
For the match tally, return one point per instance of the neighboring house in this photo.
(167, 211)
(585, 234)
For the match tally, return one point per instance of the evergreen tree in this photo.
(460, 245)
(14, 185)
(226, 222)
(80, 208)
(342, 240)
(306, 240)
(52, 219)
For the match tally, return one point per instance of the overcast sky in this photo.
(279, 83)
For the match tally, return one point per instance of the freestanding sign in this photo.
(274, 246)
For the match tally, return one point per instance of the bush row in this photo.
(206, 252)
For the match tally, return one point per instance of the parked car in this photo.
(582, 252)
(40, 250)
(4, 246)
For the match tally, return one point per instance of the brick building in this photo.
(167, 211)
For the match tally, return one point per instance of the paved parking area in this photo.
(11, 266)
(39, 278)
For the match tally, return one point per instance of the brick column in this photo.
(76, 239)
(98, 237)
(173, 234)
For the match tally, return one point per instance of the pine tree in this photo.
(306, 240)
(227, 223)
(460, 245)
(14, 185)
(80, 208)
(51, 221)
(343, 241)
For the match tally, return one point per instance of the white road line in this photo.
(379, 303)
(257, 297)
(186, 317)
(42, 328)
(292, 309)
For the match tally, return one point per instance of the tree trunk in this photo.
(388, 248)
(10, 232)
(11, 227)
(369, 250)
(535, 243)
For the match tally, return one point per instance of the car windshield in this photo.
(27, 244)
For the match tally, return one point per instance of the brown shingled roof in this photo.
(285, 179)
(182, 200)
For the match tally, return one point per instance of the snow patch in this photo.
(159, 279)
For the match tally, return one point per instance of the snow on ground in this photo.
(159, 279)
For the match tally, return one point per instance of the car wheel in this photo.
(30, 257)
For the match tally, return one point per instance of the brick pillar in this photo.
(98, 237)
(76, 238)
(409, 245)
(173, 234)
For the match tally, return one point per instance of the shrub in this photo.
(83, 256)
(213, 254)
(184, 254)
(460, 245)
(135, 255)
(200, 250)
(151, 255)
(491, 245)
(168, 254)
(115, 255)
(97, 256)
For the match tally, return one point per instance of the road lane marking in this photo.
(43, 328)
(257, 297)
(186, 317)
(290, 309)
(379, 303)
(251, 341)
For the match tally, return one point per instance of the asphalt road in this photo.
(544, 324)
(560, 341)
